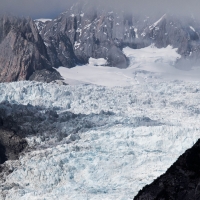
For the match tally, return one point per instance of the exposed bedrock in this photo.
(180, 182)
(11, 145)
(94, 31)
(22, 50)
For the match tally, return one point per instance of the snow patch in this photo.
(97, 62)
(88, 26)
(46, 44)
(136, 33)
(82, 14)
(192, 28)
(143, 34)
(42, 20)
(156, 23)
(77, 45)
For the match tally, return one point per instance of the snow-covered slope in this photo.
(149, 126)
(146, 63)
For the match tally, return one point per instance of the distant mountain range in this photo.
(84, 31)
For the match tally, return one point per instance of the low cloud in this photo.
(52, 8)
(34, 9)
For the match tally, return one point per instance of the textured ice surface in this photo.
(151, 125)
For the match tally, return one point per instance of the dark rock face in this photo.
(180, 182)
(45, 75)
(89, 31)
(94, 31)
(22, 50)
(181, 33)
(11, 145)
(12, 142)
(60, 51)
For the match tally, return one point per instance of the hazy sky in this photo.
(34, 8)
(52, 8)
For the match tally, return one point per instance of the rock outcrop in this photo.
(86, 30)
(22, 50)
(181, 33)
(180, 182)
(11, 145)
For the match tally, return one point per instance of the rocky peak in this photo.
(94, 31)
(41, 23)
(22, 50)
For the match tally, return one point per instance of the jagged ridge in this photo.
(99, 32)
(22, 50)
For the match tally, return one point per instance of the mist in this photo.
(52, 8)
(34, 9)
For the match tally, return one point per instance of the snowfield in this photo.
(145, 64)
(148, 126)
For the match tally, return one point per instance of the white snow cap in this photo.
(42, 20)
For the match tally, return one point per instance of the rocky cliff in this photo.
(86, 30)
(180, 182)
(22, 50)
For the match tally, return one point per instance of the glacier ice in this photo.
(149, 126)
(146, 64)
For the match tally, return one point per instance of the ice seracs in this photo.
(148, 126)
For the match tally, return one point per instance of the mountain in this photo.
(181, 181)
(22, 50)
(30, 50)
(86, 30)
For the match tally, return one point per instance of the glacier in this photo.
(146, 64)
(126, 137)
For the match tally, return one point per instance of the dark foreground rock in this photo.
(11, 145)
(180, 182)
